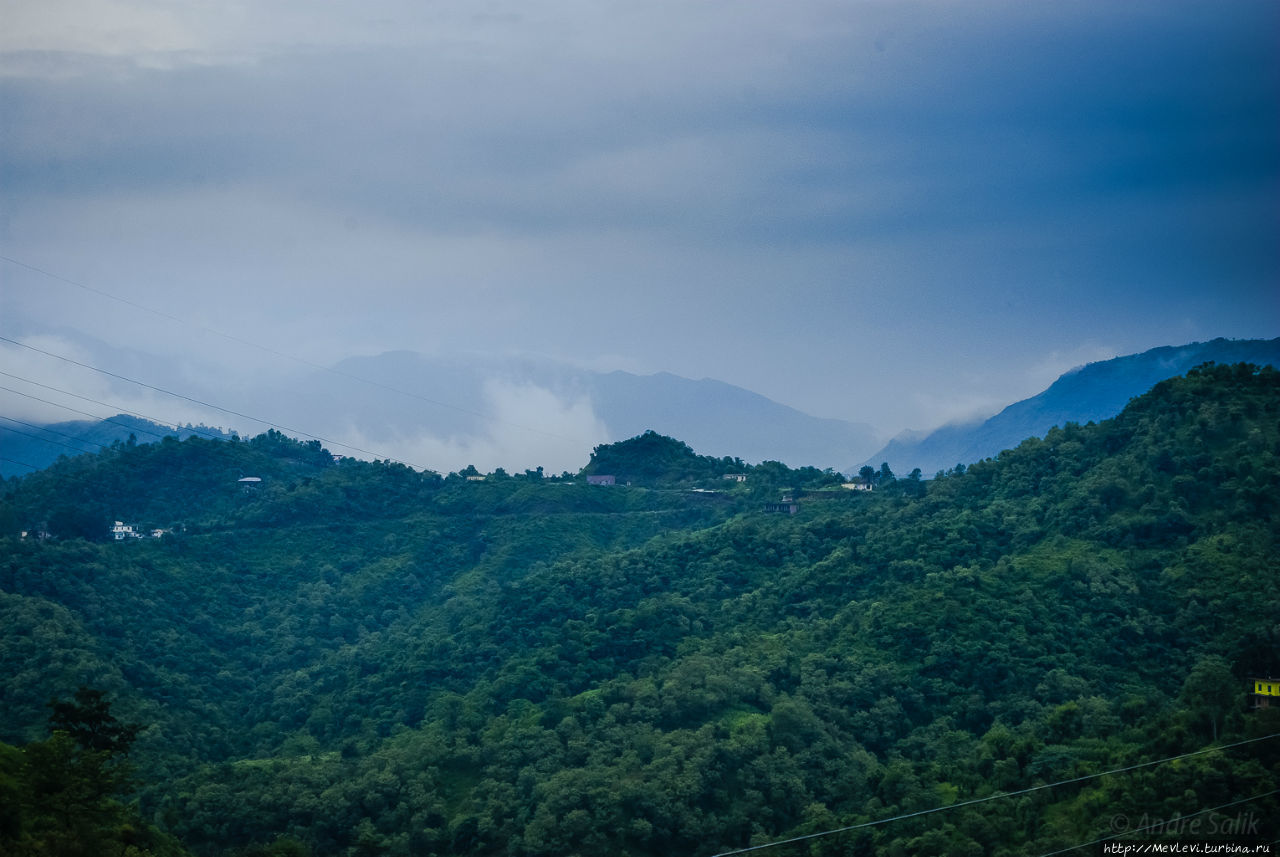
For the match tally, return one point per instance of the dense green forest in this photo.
(355, 658)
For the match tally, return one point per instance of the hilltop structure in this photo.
(1265, 691)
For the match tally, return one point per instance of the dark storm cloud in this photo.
(942, 119)
(1000, 181)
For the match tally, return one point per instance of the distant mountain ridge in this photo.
(720, 419)
(395, 399)
(1090, 393)
(436, 411)
(466, 398)
(356, 653)
(24, 448)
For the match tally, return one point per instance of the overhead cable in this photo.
(86, 413)
(48, 430)
(193, 401)
(21, 463)
(50, 440)
(1162, 823)
(267, 423)
(997, 796)
(301, 360)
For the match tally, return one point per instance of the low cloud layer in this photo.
(40, 389)
(827, 203)
(519, 424)
(528, 426)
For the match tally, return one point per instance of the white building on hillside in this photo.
(121, 531)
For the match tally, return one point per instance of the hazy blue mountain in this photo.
(720, 419)
(443, 412)
(22, 444)
(1093, 392)
(475, 396)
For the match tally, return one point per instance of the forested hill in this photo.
(1090, 393)
(25, 447)
(355, 658)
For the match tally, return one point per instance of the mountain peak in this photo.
(1088, 393)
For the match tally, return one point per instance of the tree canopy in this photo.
(357, 658)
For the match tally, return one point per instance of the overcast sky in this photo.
(897, 213)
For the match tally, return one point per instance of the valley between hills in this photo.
(358, 658)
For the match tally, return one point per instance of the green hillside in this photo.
(25, 447)
(1096, 391)
(355, 658)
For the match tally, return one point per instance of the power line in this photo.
(131, 428)
(275, 353)
(201, 432)
(33, 467)
(87, 414)
(116, 408)
(82, 440)
(998, 796)
(51, 440)
(1162, 823)
(168, 393)
(48, 430)
(22, 463)
(267, 423)
(69, 282)
(141, 384)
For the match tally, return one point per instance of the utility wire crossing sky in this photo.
(895, 214)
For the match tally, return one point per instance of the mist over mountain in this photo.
(1090, 393)
(25, 447)
(445, 412)
(436, 412)
(351, 657)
